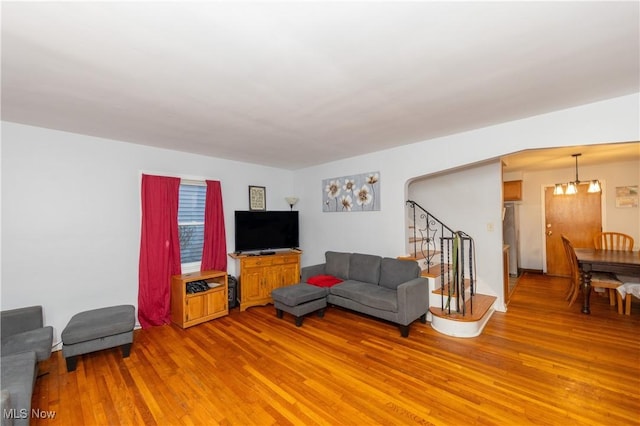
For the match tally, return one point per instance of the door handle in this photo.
(549, 233)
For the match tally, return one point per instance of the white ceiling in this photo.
(560, 158)
(291, 84)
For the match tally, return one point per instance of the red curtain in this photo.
(214, 250)
(159, 249)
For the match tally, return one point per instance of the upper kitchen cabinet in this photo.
(512, 190)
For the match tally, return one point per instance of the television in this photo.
(266, 230)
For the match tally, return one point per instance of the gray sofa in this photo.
(25, 342)
(384, 288)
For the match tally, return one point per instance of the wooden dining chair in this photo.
(613, 241)
(616, 241)
(598, 279)
(630, 290)
(575, 280)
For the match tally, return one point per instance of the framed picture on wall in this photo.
(257, 198)
(627, 196)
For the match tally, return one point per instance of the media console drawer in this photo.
(251, 262)
(268, 260)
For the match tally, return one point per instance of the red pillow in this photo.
(323, 280)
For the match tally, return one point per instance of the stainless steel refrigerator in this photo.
(510, 235)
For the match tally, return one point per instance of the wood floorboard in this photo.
(541, 363)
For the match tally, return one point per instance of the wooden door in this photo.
(577, 216)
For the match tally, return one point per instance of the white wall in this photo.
(383, 232)
(71, 215)
(612, 175)
(465, 200)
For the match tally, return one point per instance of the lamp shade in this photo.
(558, 190)
(572, 188)
(594, 186)
(291, 201)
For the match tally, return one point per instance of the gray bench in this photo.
(96, 330)
(299, 300)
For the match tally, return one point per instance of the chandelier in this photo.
(572, 187)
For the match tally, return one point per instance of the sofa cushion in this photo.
(337, 264)
(323, 280)
(394, 272)
(364, 267)
(14, 321)
(18, 378)
(5, 405)
(367, 294)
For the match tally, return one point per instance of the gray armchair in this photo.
(25, 342)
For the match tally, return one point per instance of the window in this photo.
(191, 205)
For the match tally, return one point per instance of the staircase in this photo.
(447, 260)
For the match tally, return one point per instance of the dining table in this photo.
(614, 261)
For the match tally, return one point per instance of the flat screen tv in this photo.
(266, 230)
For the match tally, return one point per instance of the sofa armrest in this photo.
(310, 271)
(39, 341)
(413, 299)
(19, 320)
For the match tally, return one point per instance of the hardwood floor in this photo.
(540, 363)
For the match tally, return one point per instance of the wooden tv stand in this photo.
(260, 274)
(191, 309)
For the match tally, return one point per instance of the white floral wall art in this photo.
(351, 193)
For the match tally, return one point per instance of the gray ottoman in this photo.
(299, 300)
(98, 329)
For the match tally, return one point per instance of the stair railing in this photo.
(456, 252)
